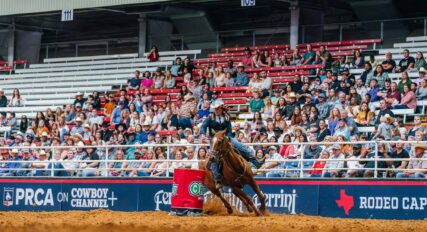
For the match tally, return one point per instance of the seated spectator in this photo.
(186, 64)
(267, 83)
(324, 57)
(296, 57)
(79, 99)
(256, 104)
(420, 62)
(358, 60)
(334, 168)
(3, 99)
(134, 82)
(255, 84)
(272, 167)
(175, 67)
(373, 92)
(153, 55)
(41, 165)
(421, 91)
(388, 64)
(384, 129)
(342, 129)
(408, 101)
(312, 151)
(399, 153)
(364, 116)
(242, 78)
(169, 81)
(416, 168)
(247, 58)
(265, 59)
(366, 76)
(404, 81)
(407, 63)
(219, 77)
(318, 167)
(309, 56)
(16, 100)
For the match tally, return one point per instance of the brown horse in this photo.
(236, 174)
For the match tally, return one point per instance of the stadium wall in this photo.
(377, 199)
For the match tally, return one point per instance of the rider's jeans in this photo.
(244, 150)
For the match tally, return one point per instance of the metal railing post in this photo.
(182, 43)
(52, 163)
(382, 31)
(340, 28)
(106, 161)
(167, 159)
(376, 160)
(253, 38)
(301, 168)
(217, 42)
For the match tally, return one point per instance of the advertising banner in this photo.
(328, 198)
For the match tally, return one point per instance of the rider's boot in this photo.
(217, 176)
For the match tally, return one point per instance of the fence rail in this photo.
(105, 166)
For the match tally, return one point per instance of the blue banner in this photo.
(344, 199)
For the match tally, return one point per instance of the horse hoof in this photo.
(258, 213)
(229, 210)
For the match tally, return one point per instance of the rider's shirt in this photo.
(216, 123)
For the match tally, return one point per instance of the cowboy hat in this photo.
(42, 152)
(79, 94)
(188, 97)
(299, 128)
(389, 117)
(217, 104)
(240, 65)
(420, 145)
(146, 123)
(292, 95)
(79, 136)
(422, 70)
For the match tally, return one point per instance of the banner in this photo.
(344, 199)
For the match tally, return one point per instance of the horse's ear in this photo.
(222, 133)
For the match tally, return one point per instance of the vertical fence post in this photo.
(182, 43)
(340, 28)
(47, 49)
(302, 35)
(217, 42)
(382, 31)
(301, 168)
(376, 160)
(106, 161)
(52, 163)
(167, 159)
(107, 47)
(77, 49)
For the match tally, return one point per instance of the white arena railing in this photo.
(104, 168)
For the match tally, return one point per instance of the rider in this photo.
(218, 121)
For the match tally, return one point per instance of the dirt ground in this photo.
(105, 221)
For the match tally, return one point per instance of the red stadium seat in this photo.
(19, 62)
(163, 91)
(167, 133)
(234, 95)
(3, 63)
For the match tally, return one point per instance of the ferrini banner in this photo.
(328, 198)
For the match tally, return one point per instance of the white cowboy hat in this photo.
(422, 70)
(240, 65)
(79, 94)
(146, 123)
(217, 104)
(42, 152)
(188, 97)
(421, 145)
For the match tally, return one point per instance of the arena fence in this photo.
(298, 167)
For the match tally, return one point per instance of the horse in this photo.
(236, 174)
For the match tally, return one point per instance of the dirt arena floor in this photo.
(105, 221)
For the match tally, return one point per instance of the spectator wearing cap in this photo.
(242, 78)
(350, 122)
(77, 128)
(44, 139)
(106, 133)
(23, 124)
(312, 151)
(25, 166)
(333, 168)
(342, 129)
(3, 99)
(322, 106)
(5, 166)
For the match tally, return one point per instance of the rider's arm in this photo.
(229, 130)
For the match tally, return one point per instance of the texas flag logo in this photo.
(346, 202)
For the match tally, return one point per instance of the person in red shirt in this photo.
(247, 59)
(153, 55)
(318, 166)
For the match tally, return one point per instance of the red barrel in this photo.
(187, 192)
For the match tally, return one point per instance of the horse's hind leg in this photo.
(246, 200)
(258, 192)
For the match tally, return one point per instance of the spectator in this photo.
(420, 62)
(265, 59)
(175, 67)
(407, 63)
(186, 112)
(242, 78)
(266, 83)
(247, 58)
(317, 169)
(384, 129)
(153, 55)
(380, 75)
(364, 116)
(367, 73)
(134, 82)
(408, 101)
(399, 154)
(158, 79)
(388, 64)
(79, 99)
(186, 64)
(309, 56)
(16, 100)
(256, 104)
(110, 105)
(296, 57)
(416, 127)
(169, 81)
(383, 111)
(416, 168)
(3, 99)
(77, 129)
(334, 168)
(404, 81)
(272, 166)
(358, 59)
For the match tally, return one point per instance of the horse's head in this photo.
(218, 142)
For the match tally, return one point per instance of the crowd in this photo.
(331, 105)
